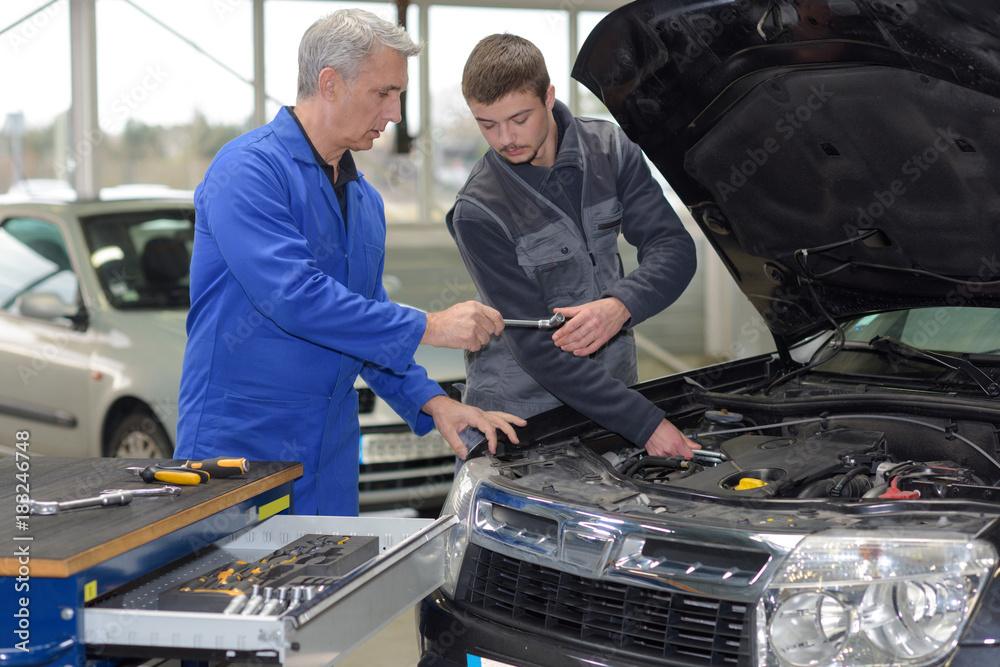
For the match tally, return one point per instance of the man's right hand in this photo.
(464, 326)
(667, 440)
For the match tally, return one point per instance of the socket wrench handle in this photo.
(553, 322)
(157, 491)
(54, 507)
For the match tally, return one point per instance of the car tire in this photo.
(139, 436)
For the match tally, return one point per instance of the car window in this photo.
(142, 258)
(33, 259)
(954, 329)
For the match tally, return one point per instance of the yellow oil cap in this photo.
(750, 483)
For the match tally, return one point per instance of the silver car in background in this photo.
(93, 302)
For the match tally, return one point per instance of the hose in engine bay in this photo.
(814, 420)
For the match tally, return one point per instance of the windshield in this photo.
(954, 329)
(142, 257)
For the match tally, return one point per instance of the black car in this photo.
(845, 507)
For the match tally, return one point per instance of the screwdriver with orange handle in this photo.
(220, 466)
(192, 471)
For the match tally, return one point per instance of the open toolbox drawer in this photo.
(323, 630)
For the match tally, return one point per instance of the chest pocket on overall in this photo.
(373, 255)
(605, 225)
(559, 262)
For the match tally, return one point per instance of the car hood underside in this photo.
(837, 152)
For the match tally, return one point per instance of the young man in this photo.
(537, 224)
(287, 303)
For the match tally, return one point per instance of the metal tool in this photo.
(237, 604)
(158, 491)
(295, 597)
(54, 507)
(255, 602)
(108, 497)
(276, 604)
(553, 322)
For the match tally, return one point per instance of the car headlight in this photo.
(871, 601)
(460, 503)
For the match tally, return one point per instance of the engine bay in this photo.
(847, 456)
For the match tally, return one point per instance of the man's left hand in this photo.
(590, 326)
(451, 417)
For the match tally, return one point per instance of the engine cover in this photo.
(760, 466)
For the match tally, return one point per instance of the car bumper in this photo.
(449, 638)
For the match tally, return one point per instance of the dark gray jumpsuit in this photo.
(527, 255)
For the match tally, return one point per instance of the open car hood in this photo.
(838, 154)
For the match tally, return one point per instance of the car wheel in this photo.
(139, 436)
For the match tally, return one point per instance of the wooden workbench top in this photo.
(70, 541)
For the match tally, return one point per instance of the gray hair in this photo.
(343, 41)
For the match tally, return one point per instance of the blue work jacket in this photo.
(287, 309)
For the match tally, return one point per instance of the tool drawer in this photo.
(339, 613)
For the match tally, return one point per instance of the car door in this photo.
(44, 343)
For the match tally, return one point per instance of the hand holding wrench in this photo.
(553, 322)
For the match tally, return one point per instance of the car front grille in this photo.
(407, 474)
(611, 618)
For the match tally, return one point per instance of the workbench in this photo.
(79, 586)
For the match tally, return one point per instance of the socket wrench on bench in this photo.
(106, 499)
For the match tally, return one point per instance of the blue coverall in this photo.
(287, 308)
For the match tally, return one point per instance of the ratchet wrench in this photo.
(158, 491)
(107, 498)
(54, 507)
(552, 323)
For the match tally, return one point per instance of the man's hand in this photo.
(451, 417)
(464, 326)
(668, 441)
(590, 326)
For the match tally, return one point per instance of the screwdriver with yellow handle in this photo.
(192, 471)
(169, 475)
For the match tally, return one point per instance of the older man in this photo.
(287, 303)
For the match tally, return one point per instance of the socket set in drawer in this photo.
(275, 583)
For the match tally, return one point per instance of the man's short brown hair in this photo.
(501, 65)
